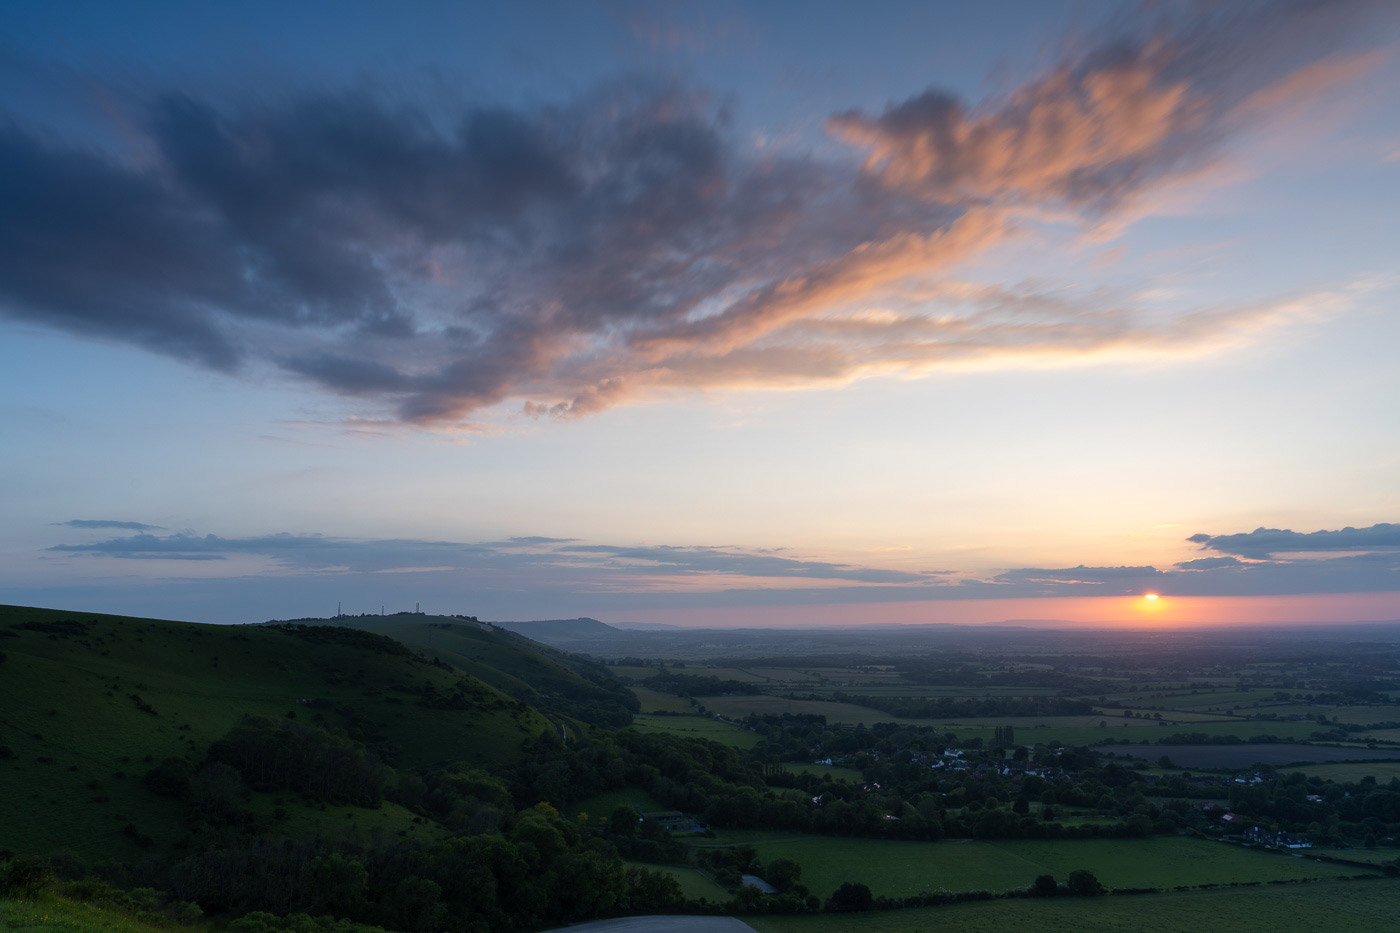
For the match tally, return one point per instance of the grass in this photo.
(48, 912)
(653, 701)
(1242, 756)
(1071, 730)
(697, 727)
(81, 743)
(537, 674)
(694, 883)
(1378, 856)
(1336, 905)
(901, 868)
(1353, 771)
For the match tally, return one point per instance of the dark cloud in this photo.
(1264, 543)
(103, 523)
(1080, 574)
(567, 258)
(590, 575)
(731, 561)
(1208, 563)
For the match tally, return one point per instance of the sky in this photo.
(723, 314)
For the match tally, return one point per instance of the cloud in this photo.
(582, 575)
(561, 557)
(1107, 122)
(103, 523)
(1208, 563)
(432, 267)
(731, 561)
(1265, 543)
(1080, 574)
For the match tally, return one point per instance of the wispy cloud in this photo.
(1277, 563)
(106, 523)
(568, 258)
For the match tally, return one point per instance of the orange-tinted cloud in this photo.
(564, 259)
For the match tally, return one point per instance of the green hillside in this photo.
(90, 703)
(533, 673)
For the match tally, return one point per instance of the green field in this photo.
(1382, 771)
(1071, 730)
(697, 727)
(694, 883)
(900, 868)
(1293, 908)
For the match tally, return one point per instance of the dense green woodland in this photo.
(429, 773)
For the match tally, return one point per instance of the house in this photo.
(1294, 841)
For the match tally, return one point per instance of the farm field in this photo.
(697, 727)
(694, 883)
(1204, 700)
(901, 868)
(631, 672)
(1336, 905)
(654, 701)
(1382, 771)
(1361, 715)
(1380, 855)
(1078, 730)
(919, 690)
(1242, 756)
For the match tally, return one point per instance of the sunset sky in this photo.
(704, 313)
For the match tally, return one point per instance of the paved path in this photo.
(663, 924)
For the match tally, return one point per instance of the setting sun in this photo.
(1151, 597)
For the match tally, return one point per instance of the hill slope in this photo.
(534, 673)
(88, 704)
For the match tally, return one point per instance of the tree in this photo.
(783, 873)
(1082, 883)
(1045, 886)
(623, 822)
(850, 897)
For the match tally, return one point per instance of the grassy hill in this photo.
(544, 677)
(90, 703)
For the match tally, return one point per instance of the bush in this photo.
(850, 897)
(23, 877)
(1045, 886)
(1082, 883)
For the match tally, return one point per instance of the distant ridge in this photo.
(1039, 623)
(557, 628)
